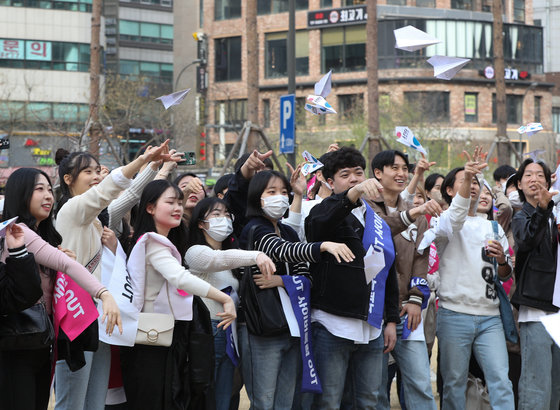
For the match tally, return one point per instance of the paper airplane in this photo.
(373, 263)
(445, 68)
(406, 137)
(530, 129)
(312, 164)
(5, 224)
(409, 38)
(534, 155)
(173, 99)
(317, 104)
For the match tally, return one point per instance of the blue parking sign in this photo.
(287, 123)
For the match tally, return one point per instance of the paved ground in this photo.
(244, 404)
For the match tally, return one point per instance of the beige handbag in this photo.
(156, 329)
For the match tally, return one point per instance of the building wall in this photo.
(394, 82)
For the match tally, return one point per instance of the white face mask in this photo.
(513, 197)
(275, 206)
(219, 228)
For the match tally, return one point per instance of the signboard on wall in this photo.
(337, 17)
(11, 49)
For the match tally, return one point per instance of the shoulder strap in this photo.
(250, 243)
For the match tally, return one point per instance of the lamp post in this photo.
(183, 70)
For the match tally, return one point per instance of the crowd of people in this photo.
(311, 291)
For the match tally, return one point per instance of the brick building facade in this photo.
(445, 114)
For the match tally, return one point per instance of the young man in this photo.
(536, 236)
(348, 310)
(391, 170)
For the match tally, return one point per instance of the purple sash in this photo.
(378, 234)
(298, 289)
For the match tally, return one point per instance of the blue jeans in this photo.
(414, 364)
(86, 388)
(246, 363)
(539, 385)
(459, 334)
(350, 373)
(275, 362)
(223, 374)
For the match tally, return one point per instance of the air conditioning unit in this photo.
(110, 31)
(110, 21)
(111, 50)
(111, 41)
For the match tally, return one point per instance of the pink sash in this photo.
(73, 307)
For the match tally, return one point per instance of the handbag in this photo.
(156, 329)
(26, 330)
(262, 307)
(506, 313)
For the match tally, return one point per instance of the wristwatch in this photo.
(506, 262)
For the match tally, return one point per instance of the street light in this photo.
(183, 70)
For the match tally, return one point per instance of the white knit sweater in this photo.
(214, 266)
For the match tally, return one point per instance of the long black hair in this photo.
(145, 221)
(19, 190)
(200, 211)
(72, 165)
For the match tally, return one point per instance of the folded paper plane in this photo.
(406, 137)
(317, 104)
(173, 99)
(311, 165)
(530, 129)
(445, 68)
(5, 224)
(535, 155)
(409, 38)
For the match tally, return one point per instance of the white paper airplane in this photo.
(445, 68)
(173, 99)
(5, 224)
(373, 263)
(312, 164)
(530, 129)
(406, 137)
(317, 104)
(409, 38)
(534, 155)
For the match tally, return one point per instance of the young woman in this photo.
(432, 187)
(274, 360)
(149, 372)
(194, 192)
(212, 256)
(85, 193)
(535, 230)
(468, 315)
(29, 196)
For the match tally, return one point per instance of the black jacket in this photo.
(341, 288)
(536, 238)
(20, 284)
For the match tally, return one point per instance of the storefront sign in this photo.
(337, 17)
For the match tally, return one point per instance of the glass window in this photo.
(350, 106)
(155, 71)
(326, 4)
(266, 113)
(346, 3)
(519, 11)
(65, 112)
(78, 5)
(343, 48)
(433, 105)
(38, 111)
(514, 109)
(227, 9)
(462, 4)
(128, 67)
(556, 120)
(149, 32)
(228, 59)
(278, 6)
(537, 108)
(471, 107)
(231, 113)
(276, 54)
(167, 32)
(426, 3)
(397, 2)
(129, 30)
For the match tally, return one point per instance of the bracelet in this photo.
(505, 262)
(102, 292)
